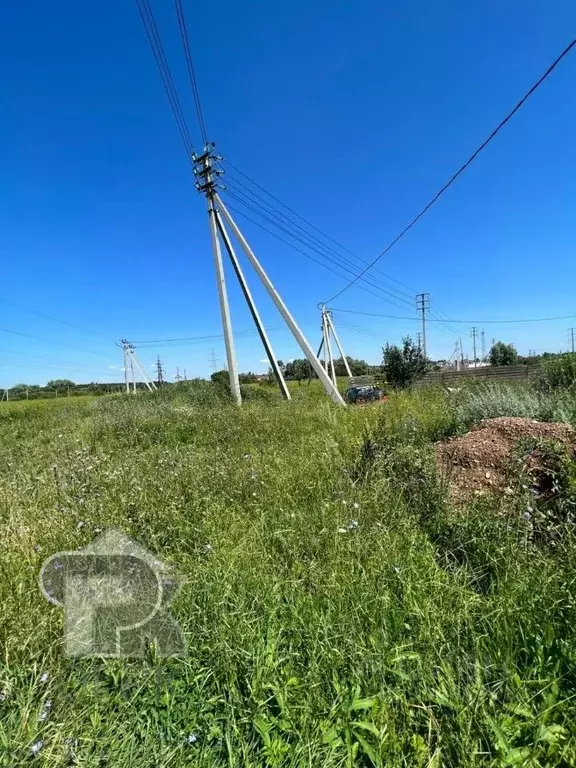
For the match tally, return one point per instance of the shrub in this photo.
(559, 373)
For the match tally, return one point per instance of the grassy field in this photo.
(337, 610)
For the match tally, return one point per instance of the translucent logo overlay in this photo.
(115, 596)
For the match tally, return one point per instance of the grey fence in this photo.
(489, 373)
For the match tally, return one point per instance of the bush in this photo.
(559, 373)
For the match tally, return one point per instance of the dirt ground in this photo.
(476, 462)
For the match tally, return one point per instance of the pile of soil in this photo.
(476, 462)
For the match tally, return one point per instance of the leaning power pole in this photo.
(206, 171)
(422, 305)
(328, 331)
(474, 334)
(131, 362)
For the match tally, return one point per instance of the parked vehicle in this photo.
(365, 394)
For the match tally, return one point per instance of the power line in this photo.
(312, 247)
(151, 29)
(460, 170)
(47, 341)
(295, 248)
(185, 340)
(452, 320)
(310, 224)
(270, 213)
(191, 70)
(51, 318)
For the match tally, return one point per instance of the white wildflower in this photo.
(36, 747)
(192, 738)
(45, 676)
(356, 505)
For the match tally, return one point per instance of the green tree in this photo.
(503, 354)
(357, 367)
(18, 388)
(221, 378)
(60, 384)
(403, 365)
(298, 369)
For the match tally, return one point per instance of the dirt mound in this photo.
(476, 462)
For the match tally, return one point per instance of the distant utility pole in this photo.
(178, 377)
(159, 372)
(185, 379)
(456, 356)
(571, 332)
(474, 334)
(483, 334)
(130, 360)
(423, 304)
(461, 353)
(419, 340)
(213, 362)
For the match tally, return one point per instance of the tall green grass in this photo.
(337, 611)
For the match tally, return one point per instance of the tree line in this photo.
(401, 366)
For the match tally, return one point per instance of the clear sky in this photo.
(354, 114)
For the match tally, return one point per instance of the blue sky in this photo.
(354, 114)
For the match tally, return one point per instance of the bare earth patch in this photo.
(476, 462)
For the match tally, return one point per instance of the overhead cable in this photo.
(459, 171)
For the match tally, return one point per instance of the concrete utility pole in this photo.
(131, 359)
(483, 335)
(185, 379)
(474, 334)
(422, 305)
(571, 331)
(206, 170)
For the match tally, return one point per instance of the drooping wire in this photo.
(151, 29)
(313, 226)
(453, 320)
(459, 171)
(312, 246)
(47, 341)
(259, 202)
(191, 340)
(51, 318)
(191, 70)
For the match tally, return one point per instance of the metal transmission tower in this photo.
(571, 332)
(159, 372)
(328, 329)
(178, 377)
(483, 335)
(419, 339)
(422, 305)
(130, 363)
(474, 335)
(206, 171)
